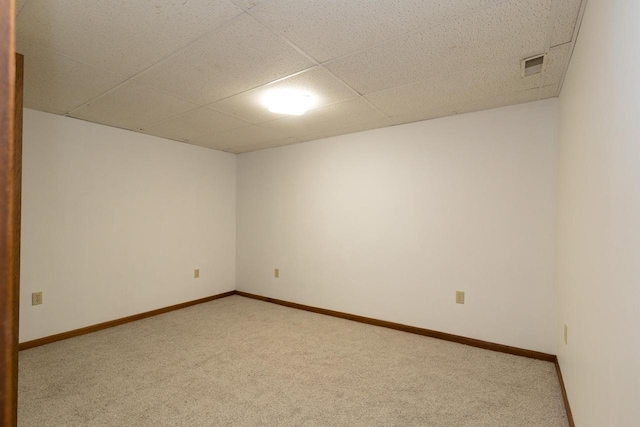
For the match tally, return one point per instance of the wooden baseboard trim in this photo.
(411, 329)
(433, 334)
(110, 324)
(565, 398)
(368, 320)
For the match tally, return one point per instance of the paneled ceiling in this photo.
(196, 70)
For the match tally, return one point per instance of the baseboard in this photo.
(100, 326)
(567, 407)
(433, 334)
(411, 329)
(368, 320)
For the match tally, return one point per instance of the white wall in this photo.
(114, 222)
(390, 223)
(599, 218)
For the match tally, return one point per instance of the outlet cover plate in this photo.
(36, 298)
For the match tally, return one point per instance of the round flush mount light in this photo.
(288, 101)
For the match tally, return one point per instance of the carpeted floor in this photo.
(241, 362)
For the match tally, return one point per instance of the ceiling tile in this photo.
(550, 91)
(323, 85)
(237, 138)
(497, 101)
(125, 37)
(312, 137)
(247, 4)
(330, 29)
(428, 113)
(336, 116)
(200, 68)
(193, 124)
(508, 31)
(239, 56)
(266, 145)
(19, 5)
(476, 105)
(557, 61)
(425, 98)
(347, 130)
(133, 106)
(57, 84)
(566, 18)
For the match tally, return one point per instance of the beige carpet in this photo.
(241, 362)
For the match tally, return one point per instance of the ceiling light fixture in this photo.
(288, 101)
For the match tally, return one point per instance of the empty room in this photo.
(320, 213)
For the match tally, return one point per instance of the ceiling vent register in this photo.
(533, 65)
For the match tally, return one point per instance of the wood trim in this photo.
(370, 321)
(17, 210)
(411, 329)
(8, 217)
(100, 326)
(565, 397)
(433, 334)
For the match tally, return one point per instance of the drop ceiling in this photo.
(195, 71)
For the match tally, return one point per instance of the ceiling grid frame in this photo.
(574, 39)
(547, 46)
(408, 33)
(318, 64)
(157, 64)
(545, 88)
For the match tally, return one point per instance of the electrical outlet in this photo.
(565, 334)
(196, 273)
(459, 297)
(36, 298)
(276, 273)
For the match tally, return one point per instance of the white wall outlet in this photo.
(459, 297)
(196, 273)
(276, 272)
(36, 298)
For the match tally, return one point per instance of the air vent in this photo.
(534, 65)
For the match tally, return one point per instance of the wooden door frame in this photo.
(10, 183)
